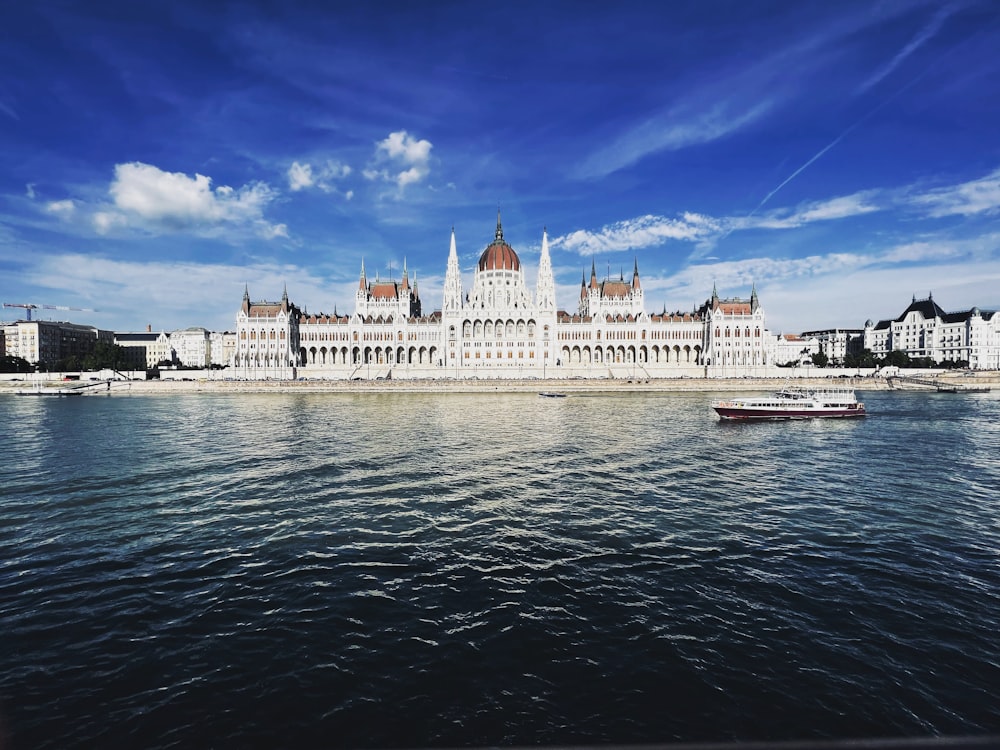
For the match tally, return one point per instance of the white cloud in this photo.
(302, 176)
(147, 197)
(980, 196)
(845, 288)
(63, 208)
(132, 293)
(406, 159)
(632, 234)
(650, 231)
(299, 176)
(842, 207)
(105, 221)
(270, 231)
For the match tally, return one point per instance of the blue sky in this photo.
(157, 157)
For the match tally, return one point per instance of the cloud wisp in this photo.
(923, 36)
(651, 231)
(672, 130)
(304, 176)
(981, 196)
(637, 233)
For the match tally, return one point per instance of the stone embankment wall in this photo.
(205, 385)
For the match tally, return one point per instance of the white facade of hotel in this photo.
(499, 328)
(925, 330)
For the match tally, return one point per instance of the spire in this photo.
(452, 300)
(498, 237)
(246, 292)
(364, 282)
(406, 276)
(635, 274)
(754, 302)
(545, 291)
(593, 274)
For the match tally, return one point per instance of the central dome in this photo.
(498, 255)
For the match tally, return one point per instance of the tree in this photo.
(820, 359)
(104, 356)
(10, 363)
(896, 358)
(72, 362)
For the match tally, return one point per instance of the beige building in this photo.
(145, 349)
(51, 343)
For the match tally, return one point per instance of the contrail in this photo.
(844, 134)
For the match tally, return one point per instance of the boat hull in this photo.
(50, 393)
(776, 413)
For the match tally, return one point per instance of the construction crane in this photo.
(29, 306)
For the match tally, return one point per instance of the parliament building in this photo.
(499, 328)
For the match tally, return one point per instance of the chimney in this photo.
(149, 328)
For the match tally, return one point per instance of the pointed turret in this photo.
(545, 289)
(499, 233)
(452, 297)
(754, 302)
(363, 284)
(635, 274)
(593, 274)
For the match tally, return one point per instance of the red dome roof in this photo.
(499, 256)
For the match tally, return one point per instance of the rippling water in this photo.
(373, 570)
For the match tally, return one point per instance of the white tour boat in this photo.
(793, 403)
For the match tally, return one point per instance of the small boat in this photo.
(552, 394)
(50, 392)
(793, 403)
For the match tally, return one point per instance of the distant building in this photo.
(49, 342)
(837, 343)
(145, 349)
(267, 338)
(499, 328)
(192, 347)
(793, 349)
(222, 347)
(925, 330)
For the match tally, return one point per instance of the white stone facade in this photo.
(499, 328)
(267, 339)
(925, 330)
